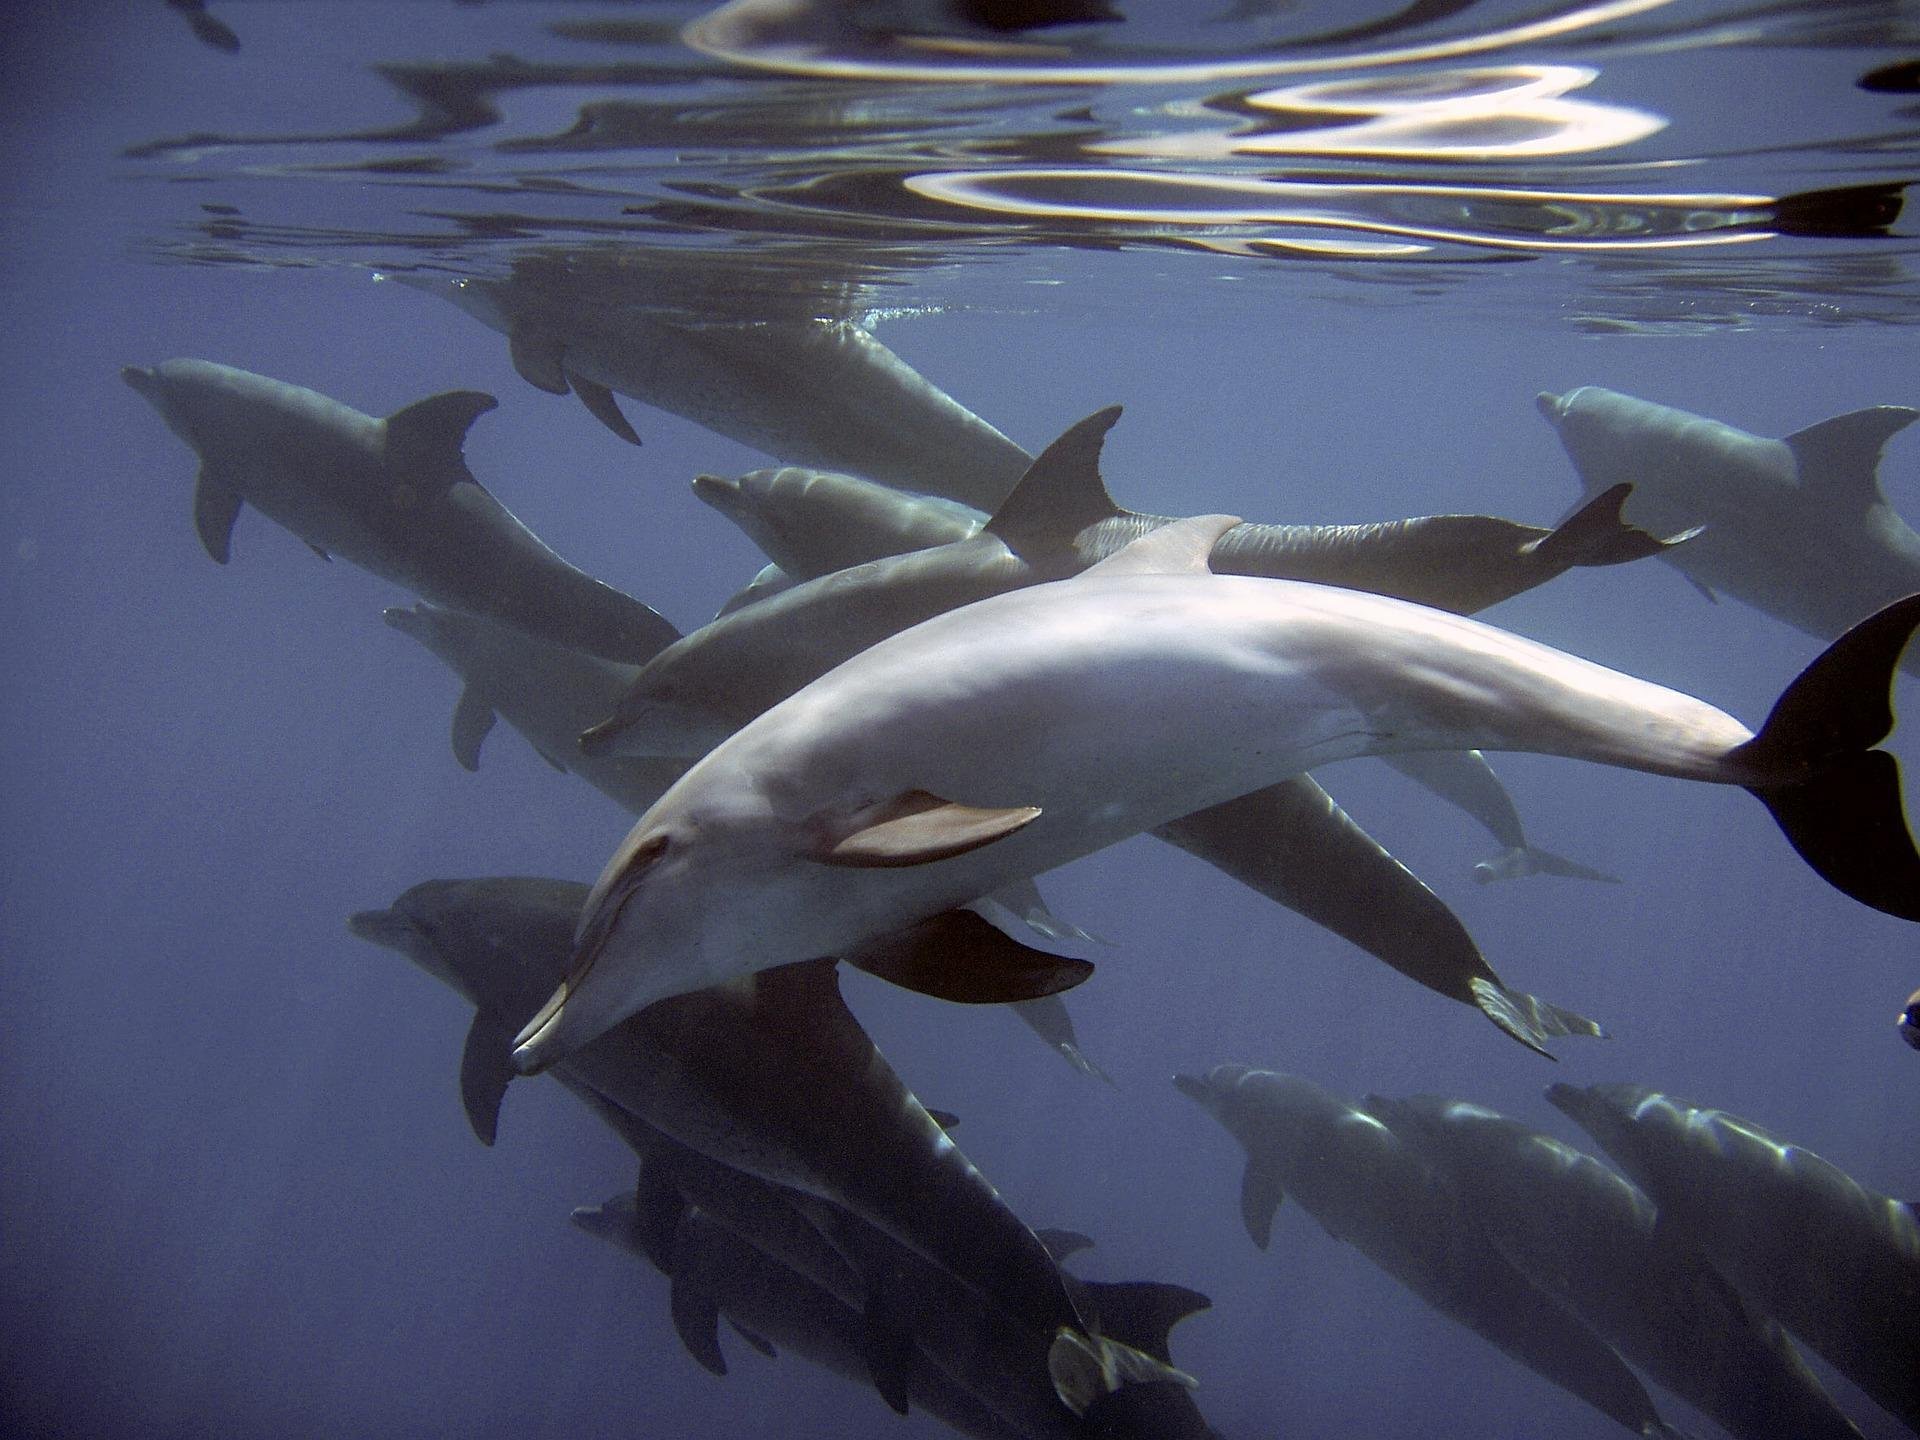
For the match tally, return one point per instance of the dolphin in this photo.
(1798, 528)
(1839, 1264)
(1910, 1021)
(1059, 521)
(1353, 1175)
(1589, 1240)
(394, 496)
(813, 391)
(987, 743)
(546, 692)
(773, 1076)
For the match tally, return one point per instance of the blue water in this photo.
(239, 1197)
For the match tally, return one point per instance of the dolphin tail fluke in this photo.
(1836, 797)
(1142, 1313)
(1598, 534)
(1521, 860)
(1527, 1018)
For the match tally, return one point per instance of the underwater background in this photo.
(237, 1193)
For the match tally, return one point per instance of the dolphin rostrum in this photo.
(1354, 1175)
(1838, 1263)
(1798, 528)
(394, 496)
(984, 745)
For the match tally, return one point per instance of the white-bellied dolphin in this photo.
(773, 1076)
(802, 389)
(394, 496)
(1797, 527)
(1839, 1264)
(1589, 1239)
(1367, 1188)
(1026, 730)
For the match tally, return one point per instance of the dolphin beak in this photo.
(139, 377)
(1194, 1087)
(382, 927)
(719, 492)
(1554, 407)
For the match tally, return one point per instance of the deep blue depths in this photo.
(237, 1196)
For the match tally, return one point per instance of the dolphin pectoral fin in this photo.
(424, 440)
(1839, 459)
(1527, 1018)
(1812, 765)
(1598, 534)
(758, 1342)
(945, 1119)
(658, 1209)
(486, 1069)
(603, 407)
(886, 1344)
(1705, 589)
(1260, 1195)
(960, 957)
(320, 552)
(215, 508)
(472, 718)
(539, 357)
(915, 828)
(696, 1320)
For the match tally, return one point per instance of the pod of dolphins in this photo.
(965, 665)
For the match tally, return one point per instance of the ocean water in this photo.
(238, 1196)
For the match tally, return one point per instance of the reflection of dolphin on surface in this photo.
(1353, 1175)
(1838, 1263)
(394, 496)
(801, 389)
(988, 744)
(1590, 1240)
(1797, 527)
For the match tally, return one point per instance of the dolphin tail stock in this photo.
(1598, 534)
(1519, 860)
(1815, 768)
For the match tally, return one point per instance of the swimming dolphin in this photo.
(773, 1076)
(1838, 1263)
(820, 392)
(394, 496)
(1797, 527)
(546, 692)
(1910, 1021)
(1352, 1174)
(984, 745)
(1589, 1240)
(1058, 522)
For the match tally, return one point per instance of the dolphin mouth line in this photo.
(549, 1014)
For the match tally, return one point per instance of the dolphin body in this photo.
(773, 1076)
(988, 744)
(1589, 1240)
(1353, 1175)
(394, 496)
(817, 392)
(1798, 528)
(1838, 1263)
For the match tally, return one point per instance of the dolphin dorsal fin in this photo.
(1061, 492)
(1839, 459)
(425, 438)
(1181, 548)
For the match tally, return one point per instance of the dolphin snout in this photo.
(719, 492)
(1193, 1087)
(139, 377)
(1552, 406)
(382, 927)
(407, 619)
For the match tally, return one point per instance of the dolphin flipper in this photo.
(486, 1069)
(539, 357)
(1260, 1195)
(1047, 1017)
(215, 508)
(758, 1342)
(1838, 799)
(916, 828)
(961, 957)
(473, 717)
(696, 1320)
(602, 406)
(886, 1343)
